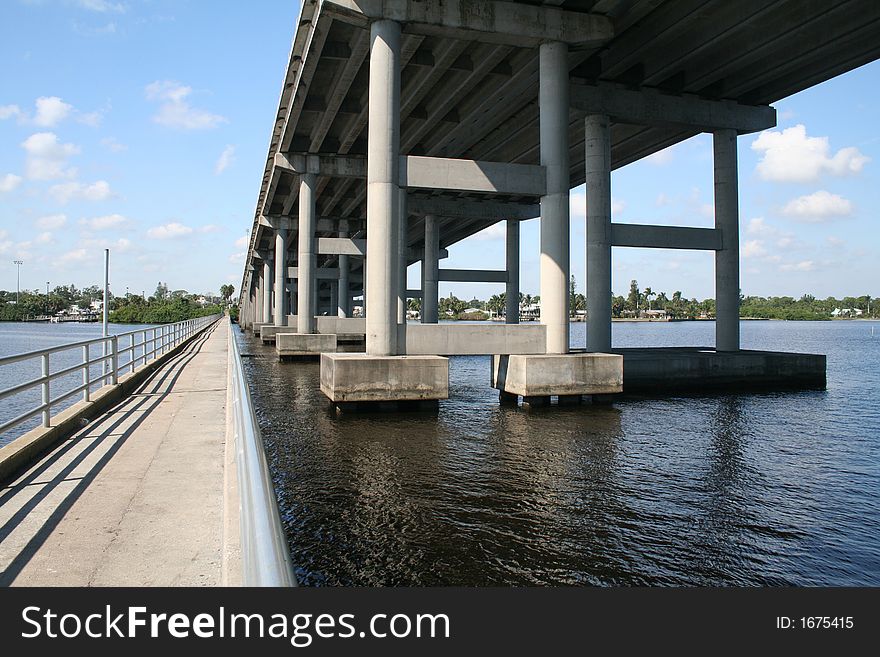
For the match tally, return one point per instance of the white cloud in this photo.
(662, 157)
(120, 245)
(175, 111)
(101, 6)
(577, 203)
(51, 110)
(169, 231)
(833, 241)
(236, 258)
(52, 221)
(242, 242)
(662, 200)
(92, 119)
(758, 226)
(817, 207)
(753, 249)
(792, 156)
(44, 238)
(47, 158)
(803, 265)
(112, 145)
(9, 111)
(9, 182)
(104, 223)
(227, 157)
(209, 228)
(65, 192)
(497, 231)
(73, 256)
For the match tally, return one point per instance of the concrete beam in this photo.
(650, 107)
(276, 222)
(473, 276)
(467, 209)
(428, 172)
(472, 176)
(341, 246)
(495, 22)
(324, 224)
(323, 273)
(418, 253)
(340, 166)
(665, 237)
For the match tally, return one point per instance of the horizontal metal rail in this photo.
(161, 339)
(264, 554)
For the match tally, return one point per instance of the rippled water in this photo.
(21, 337)
(748, 489)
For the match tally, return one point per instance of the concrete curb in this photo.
(24, 450)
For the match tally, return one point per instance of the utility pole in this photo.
(18, 264)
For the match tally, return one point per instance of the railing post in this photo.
(114, 360)
(45, 388)
(86, 376)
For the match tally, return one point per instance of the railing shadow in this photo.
(164, 380)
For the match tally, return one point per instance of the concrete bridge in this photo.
(404, 127)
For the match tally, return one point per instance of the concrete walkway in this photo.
(137, 498)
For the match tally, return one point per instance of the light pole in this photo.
(18, 264)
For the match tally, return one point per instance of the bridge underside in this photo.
(417, 124)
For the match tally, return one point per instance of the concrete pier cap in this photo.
(350, 377)
(536, 376)
(291, 345)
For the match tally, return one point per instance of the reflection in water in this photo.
(715, 490)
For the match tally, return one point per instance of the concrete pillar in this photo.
(306, 283)
(727, 258)
(267, 291)
(343, 305)
(334, 298)
(512, 290)
(598, 188)
(553, 103)
(383, 206)
(402, 248)
(280, 277)
(431, 271)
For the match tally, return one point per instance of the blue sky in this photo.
(142, 126)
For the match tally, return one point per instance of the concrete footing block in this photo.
(256, 327)
(352, 377)
(297, 345)
(538, 377)
(269, 331)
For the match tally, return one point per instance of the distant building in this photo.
(846, 312)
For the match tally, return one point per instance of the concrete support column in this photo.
(343, 304)
(383, 205)
(512, 290)
(258, 295)
(598, 187)
(431, 271)
(306, 283)
(267, 291)
(727, 258)
(280, 277)
(402, 248)
(553, 103)
(334, 298)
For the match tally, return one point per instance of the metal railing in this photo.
(118, 353)
(264, 556)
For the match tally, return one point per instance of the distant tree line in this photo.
(163, 306)
(638, 303)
